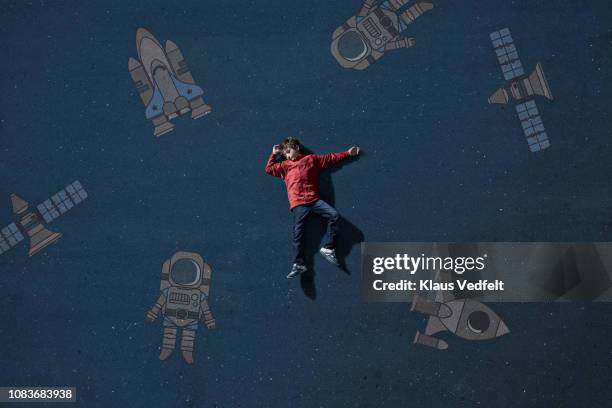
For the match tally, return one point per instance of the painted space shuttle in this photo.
(164, 82)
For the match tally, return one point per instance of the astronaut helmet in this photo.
(185, 272)
(350, 48)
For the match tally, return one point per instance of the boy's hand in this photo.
(276, 149)
(353, 151)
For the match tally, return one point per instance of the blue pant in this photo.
(300, 214)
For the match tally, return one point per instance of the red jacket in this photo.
(302, 175)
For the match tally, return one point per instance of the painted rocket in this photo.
(465, 318)
(164, 82)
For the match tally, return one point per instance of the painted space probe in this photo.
(522, 88)
(31, 224)
(365, 37)
(164, 83)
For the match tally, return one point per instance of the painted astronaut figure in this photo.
(184, 287)
(364, 38)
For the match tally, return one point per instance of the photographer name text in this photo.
(431, 285)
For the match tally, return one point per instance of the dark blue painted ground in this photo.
(439, 164)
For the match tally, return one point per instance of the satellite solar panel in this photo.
(531, 108)
(528, 127)
(12, 235)
(501, 37)
(62, 201)
(538, 126)
(66, 199)
(42, 209)
(517, 68)
(48, 211)
(79, 191)
(82, 193)
(533, 127)
(61, 207)
(9, 237)
(507, 56)
(538, 143)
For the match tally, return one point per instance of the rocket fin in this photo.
(434, 325)
(443, 296)
(502, 329)
(189, 91)
(429, 341)
(155, 105)
(430, 308)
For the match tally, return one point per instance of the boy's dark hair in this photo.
(291, 142)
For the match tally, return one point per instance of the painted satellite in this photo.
(522, 88)
(164, 83)
(30, 223)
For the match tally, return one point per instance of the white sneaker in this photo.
(296, 270)
(330, 256)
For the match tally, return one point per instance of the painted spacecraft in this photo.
(30, 223)
(468, 319)
(522, 88)
(364, 38)
(164, 83)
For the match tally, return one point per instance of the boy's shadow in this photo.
(316, 228)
